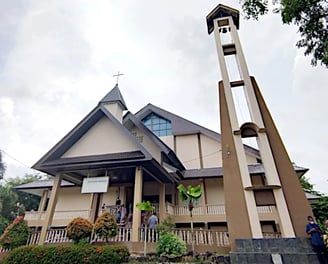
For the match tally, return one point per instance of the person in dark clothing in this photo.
(317, 243)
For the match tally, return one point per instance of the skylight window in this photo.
(158, 125)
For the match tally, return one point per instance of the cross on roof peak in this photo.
(118, 76)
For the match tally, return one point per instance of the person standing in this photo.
(317, 243)
(152, 223)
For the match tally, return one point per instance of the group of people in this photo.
(319, 245)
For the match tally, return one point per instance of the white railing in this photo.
(199, 210)
(3, 250)
(204, 237)
(199, 236)
(265, 209)
(169, 208)
(60, 236)
(176, 210)
(123, 235)
(151, 235)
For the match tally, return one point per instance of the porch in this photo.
(204, 240)
(179, 213)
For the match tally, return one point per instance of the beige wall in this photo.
(214, 191)
(115, 110)
(250, 159)
(211, 152)
(168, 140)
(72, 199)
(110, 197)
(102, 138)
(149, 145)
(194, 153)
(187, 150)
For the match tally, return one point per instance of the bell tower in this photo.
(279, 186)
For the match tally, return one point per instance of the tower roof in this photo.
(219, 12)
(114, 96)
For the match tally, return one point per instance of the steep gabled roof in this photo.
(53, 156)
(169, 153)
(182, 126)
(114, 96)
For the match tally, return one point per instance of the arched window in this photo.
(158, 125)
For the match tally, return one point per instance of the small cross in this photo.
(117, 75)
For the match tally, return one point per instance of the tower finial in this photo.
(117, 75)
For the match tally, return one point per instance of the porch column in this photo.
(43, 201)
(92, 207)
(203, 197)
(136, 220)
(162, 211)
(51, 208)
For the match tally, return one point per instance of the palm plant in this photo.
(191, 195)
(147, 207)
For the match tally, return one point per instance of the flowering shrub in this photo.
(78, 229)
(105, 226)
(16, 234)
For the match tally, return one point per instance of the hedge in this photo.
(79, 254)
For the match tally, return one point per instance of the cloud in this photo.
(57, 59)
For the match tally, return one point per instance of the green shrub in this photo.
(105, 226)
(109, 254)
(16, 234)
(166, 226)
(3, 224)
(170, 246)
(78, 229)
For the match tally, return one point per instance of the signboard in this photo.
(95, 185)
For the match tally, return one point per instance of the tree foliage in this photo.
(310, 16)
(2, 167)
(3, 224)
(27, 201)
(13, 202)
(8, 203)
(16, 234)
(319, 207)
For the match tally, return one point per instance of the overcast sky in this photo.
(57, 60)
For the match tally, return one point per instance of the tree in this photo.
(16, 234)
(79, 229)
(310, 16)
(8, 203)
(3, 224)
(26, 200)
(147, 207)
(106, 226)
(319, 207)
(191, 195)
(306, 185)
(2, 167)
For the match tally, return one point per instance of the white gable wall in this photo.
(187, 151)
(102, 138)
(211, 152)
